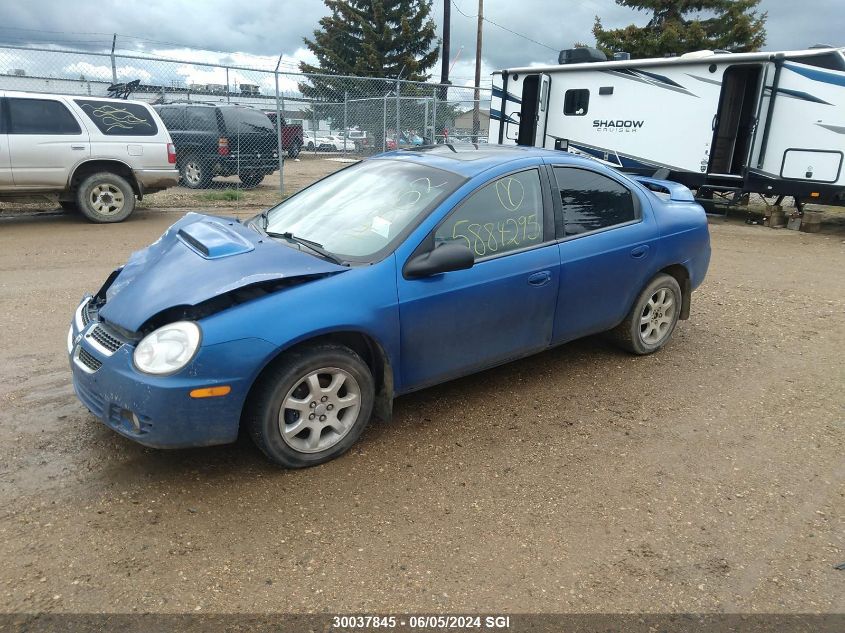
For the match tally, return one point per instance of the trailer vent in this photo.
(581, 56)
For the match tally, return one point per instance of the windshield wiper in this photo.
(314, 246)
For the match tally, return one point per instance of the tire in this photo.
(652, 320)
(294, 149)
(194, 173)
(251, 181)
(310, 146)
(291, 382)
(69, 205)
(105, 197)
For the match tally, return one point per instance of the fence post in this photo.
(434, 118)
(345, 122)
(314, 125)
(227, 84)
(113, 66)
(279, 132)
(384, 126)
(398, 89)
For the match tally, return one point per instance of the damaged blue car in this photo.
(399, 272)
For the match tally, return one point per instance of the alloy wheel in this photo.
(319, 410)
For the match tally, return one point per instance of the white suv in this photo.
(90, 153)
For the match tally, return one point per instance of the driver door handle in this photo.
(541, 278)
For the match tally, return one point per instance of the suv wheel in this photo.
(105, 197)
(294, 149)
(250, 181)
(195, 174)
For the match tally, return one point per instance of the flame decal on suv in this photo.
(112, 117)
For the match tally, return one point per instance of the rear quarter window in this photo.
(119, 119)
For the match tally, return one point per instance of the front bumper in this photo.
(158, 411)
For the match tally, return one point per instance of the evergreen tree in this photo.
(680, 26)
(371, 38)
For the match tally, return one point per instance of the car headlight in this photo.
(70, 339)
(168, 349)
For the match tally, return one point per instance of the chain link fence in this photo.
(235, 125)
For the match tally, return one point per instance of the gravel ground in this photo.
(708, 477)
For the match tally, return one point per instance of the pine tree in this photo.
(681, 26)
(371, 38)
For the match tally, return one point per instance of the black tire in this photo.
(310, 146)
(294, 149)
(639, 337)
(284, 381)
(194, 172)
(250, 181)
(69, 205)
(105, 197)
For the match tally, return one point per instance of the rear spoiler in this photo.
(676, 191)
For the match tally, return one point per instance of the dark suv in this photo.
(220, 140)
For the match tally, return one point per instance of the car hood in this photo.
(199, 258)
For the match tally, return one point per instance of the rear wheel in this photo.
(195, 174)
(652, 320)
(311, 406)
(105, 197)
(250, 181)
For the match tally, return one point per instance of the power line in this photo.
(504, 28)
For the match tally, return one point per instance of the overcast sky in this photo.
(266, 28)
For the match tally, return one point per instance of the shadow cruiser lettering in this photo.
(617, 125)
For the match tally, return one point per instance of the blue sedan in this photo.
(399, 272)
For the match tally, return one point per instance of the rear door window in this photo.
(202, 119)
(592, 201)
(246, 120)
(40, 116)
(119, 119)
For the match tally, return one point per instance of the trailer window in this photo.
(575, 102)
(592, 201)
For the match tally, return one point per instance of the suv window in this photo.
(592, 201)
(119, 119)
(40, 116)
(576, 102)
(201, 118)
(502, 216)
(240, 119)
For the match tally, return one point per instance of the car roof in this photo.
(51, 95)
(469, 159)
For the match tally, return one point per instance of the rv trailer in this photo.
(768, 123)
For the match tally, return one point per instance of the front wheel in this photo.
(105, 197)
(293, 150)
(652, 319)
(312, 406)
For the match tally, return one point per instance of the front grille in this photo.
(89, 361)
(105, 339)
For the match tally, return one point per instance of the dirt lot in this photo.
(709, 477)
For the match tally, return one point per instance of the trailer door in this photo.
(534, 111)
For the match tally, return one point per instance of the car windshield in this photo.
(357, 212)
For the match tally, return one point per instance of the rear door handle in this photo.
(541, 278)
(640, 251)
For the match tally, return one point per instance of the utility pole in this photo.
(447, 33)
(477, 96)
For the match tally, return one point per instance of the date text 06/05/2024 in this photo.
(421, 622)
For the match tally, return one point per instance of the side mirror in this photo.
(444, 258)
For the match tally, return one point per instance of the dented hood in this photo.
(199, 258)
